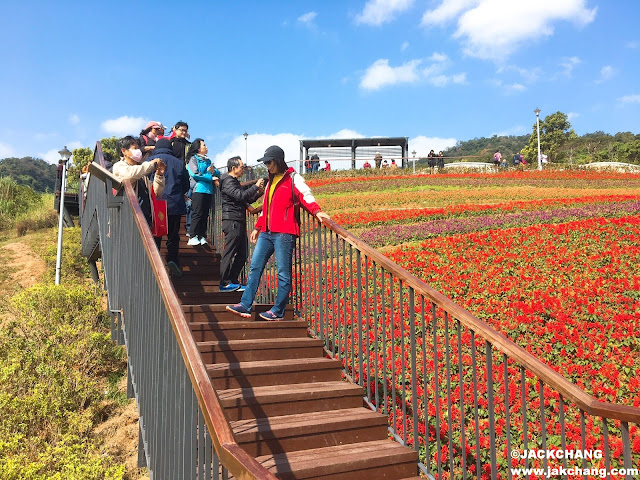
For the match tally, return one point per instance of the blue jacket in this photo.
(176, 178)
(202, 180)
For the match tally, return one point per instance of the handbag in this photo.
(159, 227)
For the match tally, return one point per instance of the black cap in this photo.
(274, 152)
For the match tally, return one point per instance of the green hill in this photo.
(31, 172)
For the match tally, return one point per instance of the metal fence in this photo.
(183, 430)
(470, 401)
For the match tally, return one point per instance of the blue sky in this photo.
(435, 71)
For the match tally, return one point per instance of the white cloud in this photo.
(6, 150)
(380, 74)
(423, 145)
(606, 73)
(124, 125)
(629, 99)
(572, 115)
(345, 133)
(377, 12)
(438, 57)
(52, 156)
(632, 44)
(404, 46)
(74, 119)
(568, 64)
(257, 143)
(493, 29)
(307, 17)
(510, 87)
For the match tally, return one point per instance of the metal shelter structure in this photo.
(356, 148)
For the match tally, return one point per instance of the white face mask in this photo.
(136, 155)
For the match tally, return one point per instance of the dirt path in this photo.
(25, 267)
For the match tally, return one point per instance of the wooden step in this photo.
(219, 313)
(273, 372)
(273, 435)
(379, 460)
(205, 298)
(247, 330)
(232, 351)
(276, 400)
(190, 252)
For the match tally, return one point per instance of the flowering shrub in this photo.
(552, 266)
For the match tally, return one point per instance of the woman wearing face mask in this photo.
(131, 168)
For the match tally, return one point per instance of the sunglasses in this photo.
(267, 162)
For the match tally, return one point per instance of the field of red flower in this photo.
(566, 287)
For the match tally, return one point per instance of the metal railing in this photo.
(457, 391)
(183, 430)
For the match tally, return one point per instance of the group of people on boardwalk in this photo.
(173, 169)
(517, 160)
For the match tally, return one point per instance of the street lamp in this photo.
(65, 155)
(246, 160)
(414, 161)
(537, 112)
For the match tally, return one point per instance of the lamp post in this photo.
(537, 112)
(246, 160)
(65, 155)
(414, 161)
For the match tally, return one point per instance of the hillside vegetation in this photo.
(31, 172)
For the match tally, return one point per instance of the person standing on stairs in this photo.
(204, 178)
(276, 231)
(176, 185)
(235, 198)
(132, 168)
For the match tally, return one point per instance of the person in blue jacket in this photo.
(176, 184)
(204, 178)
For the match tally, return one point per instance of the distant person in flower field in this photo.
(393, 164)
(440, 160)
(497, 158)
(276, 231)
(366, 164)
(327, 166)
(378, 160)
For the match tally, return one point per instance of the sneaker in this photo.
(269, 316)
(203, 241)
(238, 309)
(193, 241)
(229, 287)
(174, 269)
(241, 288)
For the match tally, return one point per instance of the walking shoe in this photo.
(174, 269)
(241, 288)
(193, 241)
(229, 287)
(269, 316)
(238, 309)
(203, 241)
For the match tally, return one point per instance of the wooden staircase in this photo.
(285, 401)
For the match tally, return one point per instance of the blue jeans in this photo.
(268, 243)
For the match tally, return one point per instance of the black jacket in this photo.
(235, 198)
(176, 178)
(180, 147)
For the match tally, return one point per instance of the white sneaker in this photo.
(193, 241)
(203, 241)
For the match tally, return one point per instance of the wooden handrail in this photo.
(550, 377)
(235, 459)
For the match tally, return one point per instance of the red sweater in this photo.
(279, 215)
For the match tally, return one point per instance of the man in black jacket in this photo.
(176, 185)
(235, 199)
